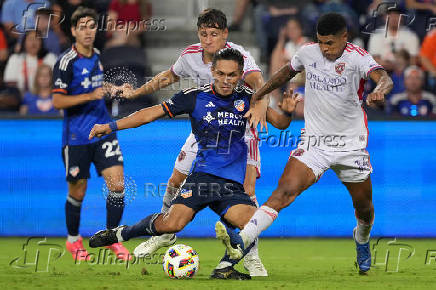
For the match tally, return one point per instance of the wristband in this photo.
(113, 126)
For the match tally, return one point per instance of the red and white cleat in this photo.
(77, 250)
(121, 251)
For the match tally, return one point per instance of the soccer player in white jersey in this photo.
(335, 134)
(195, 63)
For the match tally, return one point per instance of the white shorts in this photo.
(349, 166)
(188, 153)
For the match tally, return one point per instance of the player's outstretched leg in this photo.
(296, 178)
(73, 205)
(252, 262)
(155, 224)
(156, 242)
(361, 193)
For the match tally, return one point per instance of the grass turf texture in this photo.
(291, 264)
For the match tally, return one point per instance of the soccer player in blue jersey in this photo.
(217, 118)
(78, 79)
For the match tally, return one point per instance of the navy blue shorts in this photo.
(202, 189)
(104, 154)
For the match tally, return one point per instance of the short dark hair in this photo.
(229, 54)
(331, 24)
(212, 18)
(82, 12)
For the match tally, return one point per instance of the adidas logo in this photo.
(210, 105)
(84, 71)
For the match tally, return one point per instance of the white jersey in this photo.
(333, 113)
(190, 64)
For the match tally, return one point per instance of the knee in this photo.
(363, 205)
(175, 226)
(116, 187)
(77, 190)
(284, 195)
(176, 180)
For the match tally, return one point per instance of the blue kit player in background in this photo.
(78, 79)
(216, 180)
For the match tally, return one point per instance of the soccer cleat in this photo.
(77, 250)
(231, 240)
(106, 237)
(363, 255)
(153, 244)
(254, 266)
(229, 273)
(120, 251)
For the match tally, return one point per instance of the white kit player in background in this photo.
(195, 63)
(335, 134)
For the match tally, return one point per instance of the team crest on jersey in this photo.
(74, 171)
(239, 105)
(185, 193)
(340, 67)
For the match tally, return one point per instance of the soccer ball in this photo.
(181, 261)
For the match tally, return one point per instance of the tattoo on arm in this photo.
(384, 82)
(277, 80)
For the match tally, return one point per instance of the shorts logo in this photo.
(297, 152)
(239, 105)
(186, 193)
(181, 156)
(74, 171)
(340, 67)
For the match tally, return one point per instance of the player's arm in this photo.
(384, 87)
(158, 82)
(134, 120)
(255, 81)
(62, 101)
(279, 78)
(287, 105)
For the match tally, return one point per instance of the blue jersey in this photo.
(75, 74)
(218, 125)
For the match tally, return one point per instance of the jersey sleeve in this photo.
(180, 67)
(61, 79)
(367, 64)
(296, 62)
(181, 103)
(249, 63)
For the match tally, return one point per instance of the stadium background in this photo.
(32, 175)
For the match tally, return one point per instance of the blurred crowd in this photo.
(401, 35)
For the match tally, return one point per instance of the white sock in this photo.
(363, 231)
(223, 265)
(170, 193)
(254, 252)
(260, 221)
(72, 239)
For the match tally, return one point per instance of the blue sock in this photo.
(114, 209)
(143, 228)
(72, 215)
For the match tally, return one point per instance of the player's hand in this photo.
(375, 98)
(97, 94)
(289, 101)
(126, 91)
(257, 114)
(99, 130)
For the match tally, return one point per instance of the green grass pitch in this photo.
(291, 263)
